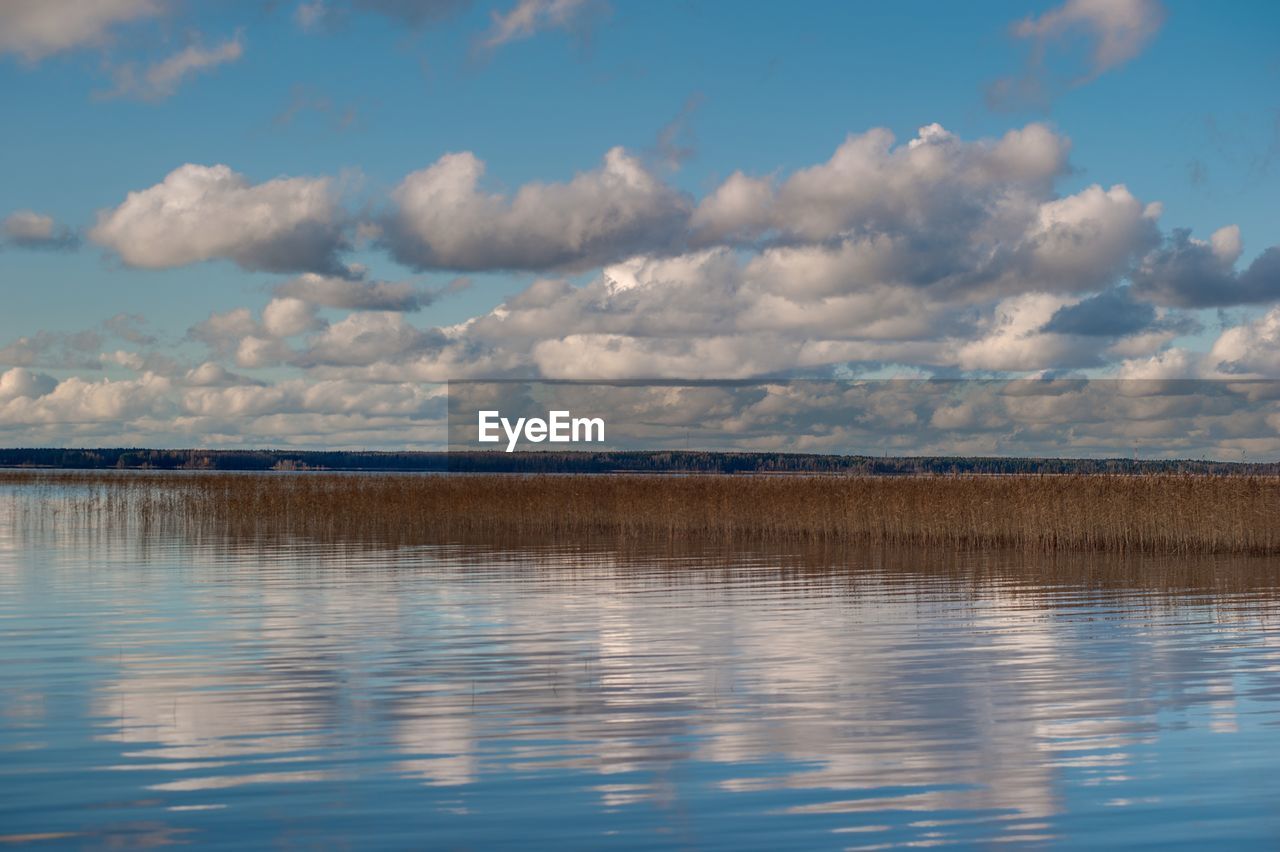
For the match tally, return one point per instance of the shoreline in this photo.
(608, 462)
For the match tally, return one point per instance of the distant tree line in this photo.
(686, 461)
(134, 458)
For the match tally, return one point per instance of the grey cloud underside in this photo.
(1112, 313)
(1190, 274)
(26, 229)
(131, 328)
(66, 240)
(313, 247)
(368, 338)
(84, 349)
(357, 295)
(51, 349)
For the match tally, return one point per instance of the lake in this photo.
(168, 686)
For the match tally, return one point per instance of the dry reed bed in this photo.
(1134, 514)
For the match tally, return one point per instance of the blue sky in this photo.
(1174, 101)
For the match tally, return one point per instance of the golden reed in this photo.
(1133, 514)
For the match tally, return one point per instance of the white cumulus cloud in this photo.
(1112, 32)
(34, 29)
(31, 230)
(200, 213)
(443, 219)
(161, 79)
(528, 17)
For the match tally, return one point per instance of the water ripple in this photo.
(169, 689)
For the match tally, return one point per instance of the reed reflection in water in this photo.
(164, 685)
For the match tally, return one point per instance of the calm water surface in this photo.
(159, 687)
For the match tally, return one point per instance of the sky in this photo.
(277, 223)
